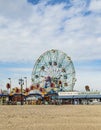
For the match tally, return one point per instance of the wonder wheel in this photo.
(54, 71)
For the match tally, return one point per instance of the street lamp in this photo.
(21, 82)
(25, 81)
(10, 84)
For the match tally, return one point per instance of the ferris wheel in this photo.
(54, 70)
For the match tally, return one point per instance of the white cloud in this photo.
(95, 5)
(16, 9)
(26, 31)
(25, 38)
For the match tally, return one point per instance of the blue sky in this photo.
(28, 28)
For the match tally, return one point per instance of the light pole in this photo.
(25, 81)
(10, 84)
(21, 82)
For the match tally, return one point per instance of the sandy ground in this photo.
(47, 117)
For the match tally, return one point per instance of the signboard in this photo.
(89, 93)
(35, 91)
(67, 93)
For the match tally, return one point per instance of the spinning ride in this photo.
(54, 72)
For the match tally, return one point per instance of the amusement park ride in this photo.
(54, 71)
(53, 80)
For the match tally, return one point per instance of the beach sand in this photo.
(50, 117)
